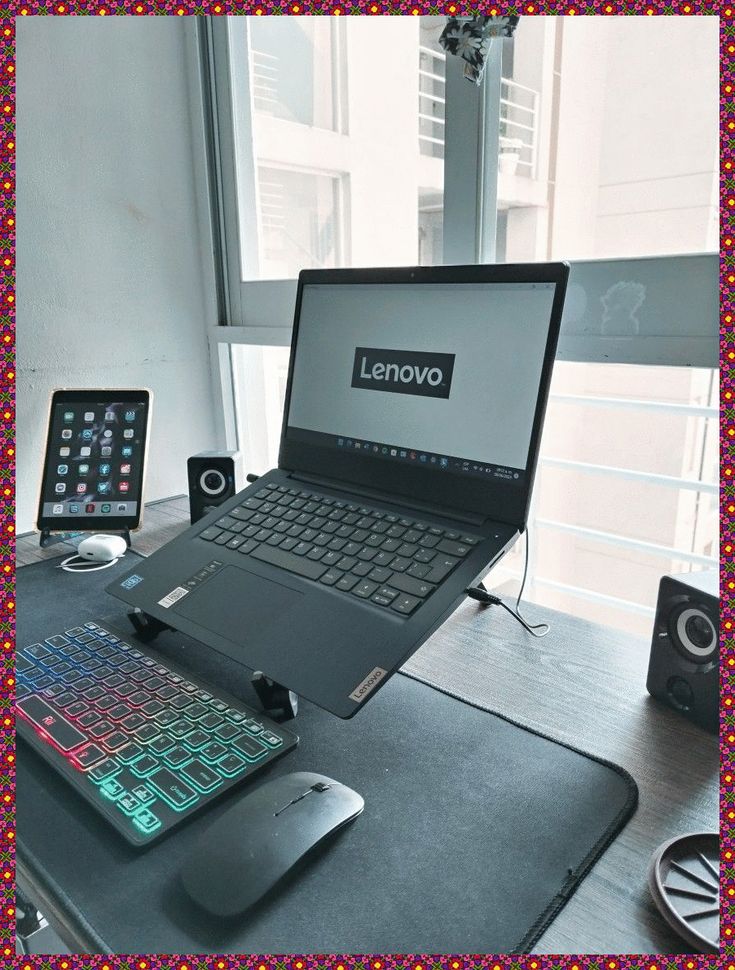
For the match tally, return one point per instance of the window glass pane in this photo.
(430, 163)
(617, 502)
(300, 220)
(598, 157)
(348, 136)
(432, 86)
(259, 377)
(293, 61)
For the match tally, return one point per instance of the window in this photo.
(334, 138)
(626, 490)
(598, 158)
(608, 164)
(355, 141)
(294, 69)
(300, 221)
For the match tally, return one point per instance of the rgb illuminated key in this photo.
(61, 732)
(112, 789)
(178, 795)
(146, 821)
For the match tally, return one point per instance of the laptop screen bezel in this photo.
(495, 499)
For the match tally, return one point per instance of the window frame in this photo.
(470, 158)
(685, 333)
(260, 312)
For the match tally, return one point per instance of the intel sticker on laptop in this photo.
(403, 371)
(131, 581)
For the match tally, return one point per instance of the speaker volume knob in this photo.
(680, 693)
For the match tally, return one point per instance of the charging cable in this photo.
(481, 594)
(84, 565)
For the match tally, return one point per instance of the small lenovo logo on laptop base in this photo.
(368, 684)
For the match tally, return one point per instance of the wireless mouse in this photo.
(261, 838)
(102, 548)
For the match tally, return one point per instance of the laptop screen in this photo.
(440, 376)
(429, 373)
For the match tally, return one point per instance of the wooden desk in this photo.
(583, 684)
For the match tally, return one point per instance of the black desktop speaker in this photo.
(684, 668)
(214, 476)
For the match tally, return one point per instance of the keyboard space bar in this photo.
(287, 560)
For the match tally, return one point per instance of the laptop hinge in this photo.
(473, 518)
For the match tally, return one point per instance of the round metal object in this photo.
(684, 879)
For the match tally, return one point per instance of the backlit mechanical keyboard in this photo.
(388, 560)
(146, 744)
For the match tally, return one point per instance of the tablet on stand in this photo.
(94, 465)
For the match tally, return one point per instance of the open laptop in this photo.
(412, 419)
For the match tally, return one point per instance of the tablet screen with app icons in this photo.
(95, 460)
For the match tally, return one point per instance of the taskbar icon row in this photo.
(445, 462)
(390, 451)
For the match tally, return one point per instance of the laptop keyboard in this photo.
(388, 560)
(144, 744)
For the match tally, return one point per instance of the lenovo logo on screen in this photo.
(403, 371)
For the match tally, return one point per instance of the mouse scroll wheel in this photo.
(320, 786)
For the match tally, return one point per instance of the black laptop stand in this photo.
(279, 703)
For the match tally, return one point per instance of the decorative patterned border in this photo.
(8, 12)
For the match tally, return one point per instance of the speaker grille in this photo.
(693, 632)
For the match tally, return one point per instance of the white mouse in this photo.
(102, 548)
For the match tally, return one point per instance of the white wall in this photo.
(579, 138)
(114, 269)
(658, 159)
(384, 137)
(636, 167)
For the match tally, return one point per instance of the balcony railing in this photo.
(519, 116)
(678, 555)
(265, 81)
(432, 87)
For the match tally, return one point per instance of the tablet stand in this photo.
(49, 538)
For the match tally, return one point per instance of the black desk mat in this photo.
(475, 831)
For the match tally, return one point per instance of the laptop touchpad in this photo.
(235, 601)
